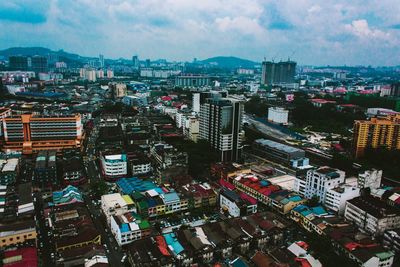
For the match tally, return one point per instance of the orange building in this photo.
(375, 133)
(29, 133)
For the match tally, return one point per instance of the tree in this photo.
(98, 188)
(313, 202)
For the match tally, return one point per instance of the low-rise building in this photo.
(370, 178)
(337, 197)
(231, 203)
(116, 204)
(372, 215)
(18, 233)
(129, 227)
(318, 181)
(9, 169)
(113, 165)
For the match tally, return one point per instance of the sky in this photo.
(324, 32)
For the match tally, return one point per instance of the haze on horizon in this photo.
(330, 32)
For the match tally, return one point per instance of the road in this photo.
(44, 242)
(113, 251)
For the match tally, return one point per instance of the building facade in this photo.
(29, 133)
(221, 126)
(376, 133)
(278, 73)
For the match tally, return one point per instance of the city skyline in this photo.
(312, 33)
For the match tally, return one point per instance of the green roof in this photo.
(144, 224)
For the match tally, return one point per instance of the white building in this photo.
(114, 166)
(191, 129)
(318, 181)
(127, 228)
(110, 74)
(231, 203)
(278, 115)
(337, 197)
(372, 215)
(141, 168)
(196, 102)
(116, 204)
(88, 74)
(371, 178)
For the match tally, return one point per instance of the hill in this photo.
(40, 51)
(230, 62)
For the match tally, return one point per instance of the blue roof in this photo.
(125, 228)
(129, 185)
(171, 197)
(296, 198)
(173, 242)
(319, 210)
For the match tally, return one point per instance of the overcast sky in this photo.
(334, 32)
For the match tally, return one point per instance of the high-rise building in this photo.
(101, 60)
(29, 133)
(376, 133)
(39, 64)
(18, 63)
(221, 124)
(278, 73)
(196, 102)
(135, 62)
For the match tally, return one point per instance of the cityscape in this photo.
(228, 148)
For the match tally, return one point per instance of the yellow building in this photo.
(17, 233)
(375, 133)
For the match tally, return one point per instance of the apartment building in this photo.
(375, 133)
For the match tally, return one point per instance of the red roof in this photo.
(226, 184)
(322, 101)
(250, 199)
(29, 257)
(166, 98)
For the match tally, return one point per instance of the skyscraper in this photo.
(135, 62)
(18, 63)
(101, 60)
(39, 64)
(278, 73)
(221, 124)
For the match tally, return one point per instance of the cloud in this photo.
(361, 29)
(319, 32)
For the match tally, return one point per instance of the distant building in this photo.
(278, 115)
(136, 62)
(119, 90)
(129, 227)
(39, 64)
(101, 60)
(18, 63)
(278, 73)
(110, 74)
(242, 71)
(376, 133)
(189, 80)
(88, 74)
